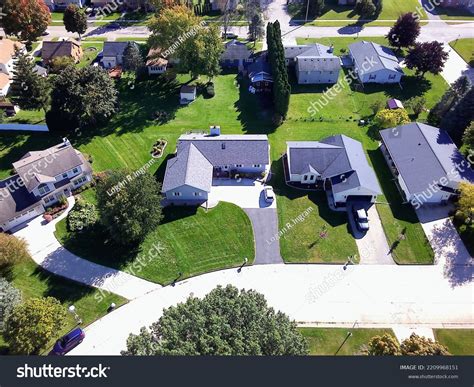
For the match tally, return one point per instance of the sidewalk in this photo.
(48, 253)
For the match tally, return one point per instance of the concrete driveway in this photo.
(372, 245)
(245, 193)
(265, 229)
(451, 255)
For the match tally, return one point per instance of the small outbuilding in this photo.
(187, 94)
(393, 103)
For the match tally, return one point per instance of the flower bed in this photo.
(55, 211)
(158, 148)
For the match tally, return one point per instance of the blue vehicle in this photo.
(68, 342)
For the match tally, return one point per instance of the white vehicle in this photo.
(269, 194)
(361, 219)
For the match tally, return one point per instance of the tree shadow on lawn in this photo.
(174, 213)
(412, 86)
(400, 211)
(255, 111)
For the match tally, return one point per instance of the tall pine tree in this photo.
(456, 121)
(29, 90)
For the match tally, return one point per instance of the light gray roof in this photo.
(197, 154)
(318, 64)
(41, 166)
(375, 56)
(309, 50)
(230, 149)
(339, 158)
(114, 49)
(424, 154)
(189, 167)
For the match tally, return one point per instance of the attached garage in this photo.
(22, 218)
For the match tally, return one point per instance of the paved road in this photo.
(372, 295)
(265, 230)
(48, 253)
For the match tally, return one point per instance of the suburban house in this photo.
(337, 164)
(7, 61)
(69, 48)
(112, 54)
(313, 63)
(259, 73)
(374, 63)
(236, 55)
(425, 162)
(201, 157)
(155, 63)
(59, 5)
(187, 94)
(41, 179)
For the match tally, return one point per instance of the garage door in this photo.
(24, 217)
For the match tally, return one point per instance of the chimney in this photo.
(66, 142)
(215, 130)
(331, 48)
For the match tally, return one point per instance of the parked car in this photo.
(229, 35)
(68, 342)
(269, 194)
(361, 219)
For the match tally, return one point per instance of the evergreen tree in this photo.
(256, 27)
(132, 58)
(456, 121)
(29, 90)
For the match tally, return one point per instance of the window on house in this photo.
(257, 165)
(75, 170)
(197, 193)
(238, 165)
(49, 199)
(305, 177)
(177, 193)
(80, 180)
(43, 189)
(64, 175)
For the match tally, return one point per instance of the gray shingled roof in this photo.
(197, 154)
(114, 49)
(376, 56)
(313, 64)
(313, 50)
(15, 200)
(42, 166)
(189, 167)
(339, 158)
(424, 154)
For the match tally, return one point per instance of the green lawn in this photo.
(340, 15)
(35, 282)
(130, 38)
(465, 48)
(459, 341)
(189, 241)
(326, 341)
(90, 52)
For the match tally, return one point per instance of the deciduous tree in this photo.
(12, 250)
(365, 8)
(468, 138)
(385, 345)
(129, 205)
(426, 57)
(421, 346)
(417, 104)
(458, 118)
(225, 322)
(26, 19)
(33, 324)
(75, 19)
(389, 118)
(256, 27)
(316, 8)
(405, 31)
(465, 203)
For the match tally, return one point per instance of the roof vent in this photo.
(223, 145)
(331, 48)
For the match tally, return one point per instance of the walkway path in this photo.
(48, 253)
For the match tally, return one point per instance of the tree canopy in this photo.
(459, 117)
(75, 19)
(405, 31)
(129, 205)
(385, 345)
(413, 346)
(389, 118)
(132, 58)
(26, 19)
(33, 324)
(225, 322)
(12, 250)
(83, 96)
(9, 298)
(28, 90)
(426, 57)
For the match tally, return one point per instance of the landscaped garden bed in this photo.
(158, 148)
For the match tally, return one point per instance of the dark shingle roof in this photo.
(14, 198)
(115, 48)
(424, 154)
(339, 158)
(53, 49)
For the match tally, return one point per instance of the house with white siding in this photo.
(41, 179)
(374, 63)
